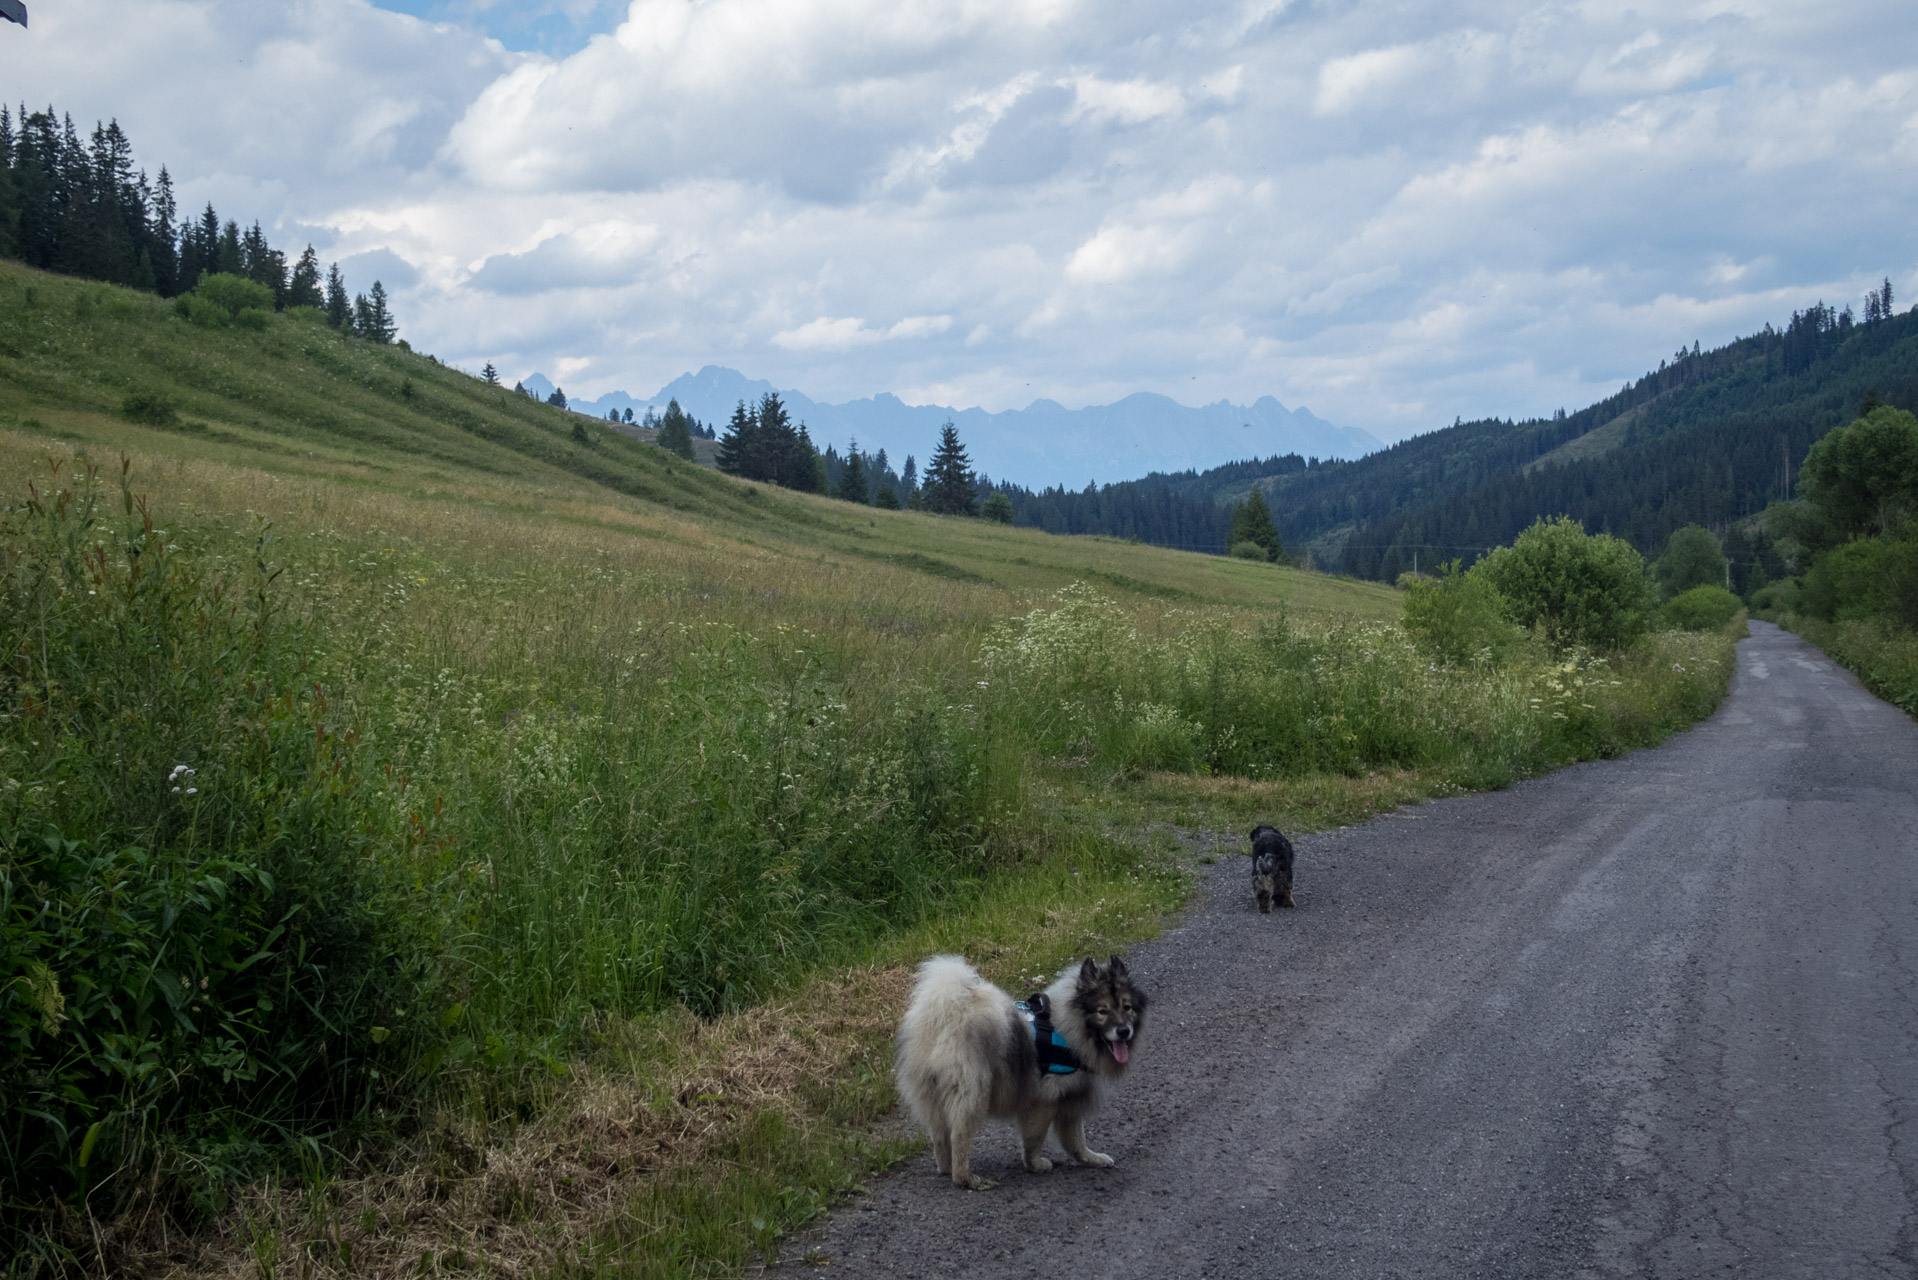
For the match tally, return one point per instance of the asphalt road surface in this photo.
(1646, 1017)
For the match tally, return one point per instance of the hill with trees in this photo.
(1708, 438)
(83, 208)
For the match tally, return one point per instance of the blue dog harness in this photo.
(1055, 1055)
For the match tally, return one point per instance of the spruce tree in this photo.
(950, 488)
(379, 324)
(489, 375)
(304, 290)
(339, 309)
(557, 399)
(228, 258)
(853, 484)
(1252, 522)
(740, 444)
(675, 433)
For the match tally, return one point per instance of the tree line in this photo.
(82, 207)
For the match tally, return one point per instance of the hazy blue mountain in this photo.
(1044, 443)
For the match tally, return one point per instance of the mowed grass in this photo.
(636, 790)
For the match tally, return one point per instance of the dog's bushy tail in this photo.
(952, 1014)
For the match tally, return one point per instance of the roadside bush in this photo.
(1693, 558)
(1869, 578)
(1459, 619)
(216, 925)
(1578, 589)
(1701, 609)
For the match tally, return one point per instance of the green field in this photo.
(564, 817)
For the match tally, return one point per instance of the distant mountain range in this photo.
(1043, 444)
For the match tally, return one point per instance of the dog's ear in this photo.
(1089, 972)
(1116, 967)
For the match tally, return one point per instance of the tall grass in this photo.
(295, 820)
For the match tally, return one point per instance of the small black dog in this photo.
(1271, 868)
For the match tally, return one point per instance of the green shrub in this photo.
(149, 407)
(255, 318)
(1249, 550)
(1704, 608)
(997, 509)
(1459, 619)
(1693, 558)
(1578, 589)
(1868, 578)
(234, 294)
(216, 926)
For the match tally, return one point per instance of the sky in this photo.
(1395, 214)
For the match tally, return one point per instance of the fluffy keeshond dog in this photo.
(966, 1051)
(1271, 868)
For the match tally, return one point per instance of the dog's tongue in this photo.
(1120, 1051)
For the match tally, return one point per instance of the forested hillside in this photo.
(1709, 437)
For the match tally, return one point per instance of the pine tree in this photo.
(304, 289)
(887, 499)
(909, 477)
(557, 399)
(339, 310)
(853, 484)
(378, 324)
(950, 489)
(1252, 522)
(675, 434)
(997, 508)
(629, 414)
(362, 316)
(489, 375)
(740, 443)
(228, 258)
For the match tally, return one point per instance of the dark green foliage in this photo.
(1693, 558)
(304, 290)
(1249, 550)
(1863, 478)
(853, 483)
(372, 319)
(201, 946)
(1868, 578)
(150, 408)
(887, 499)
(1181, 510)
(1710, 438)
(1252, 522)
(339, 308)
(761, 443)
(489, 375)
(1460, 619)
(579, 434)
(675, 434)
(1577, 589)
(949, 489)
(998, 509)
(1701, 608)
(557, 399)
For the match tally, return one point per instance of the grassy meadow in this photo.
(435, 841)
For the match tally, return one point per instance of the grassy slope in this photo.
(386, 430)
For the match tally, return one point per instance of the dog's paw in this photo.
(1039, 1164)
(974, 1182)
(1097, 1159)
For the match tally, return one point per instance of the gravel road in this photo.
(1646, 1017)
